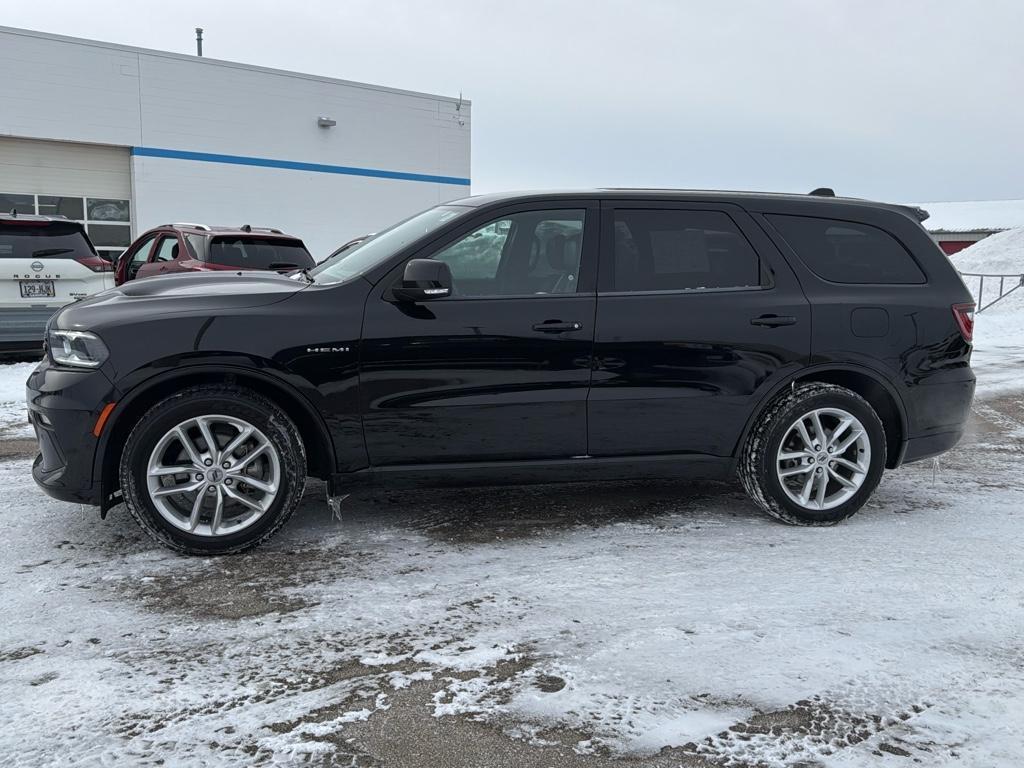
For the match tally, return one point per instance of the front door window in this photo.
(523, 254)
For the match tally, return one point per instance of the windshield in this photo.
(382, 247)
(43, 240)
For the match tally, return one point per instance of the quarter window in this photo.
(848, 252)
(672, 250)
(535, 252)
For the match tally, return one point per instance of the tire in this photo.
(234, 515)
(775, 447)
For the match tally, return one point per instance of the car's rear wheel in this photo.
(815, 456)
(213, 469)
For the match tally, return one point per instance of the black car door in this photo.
(697, 316)
(500, 369)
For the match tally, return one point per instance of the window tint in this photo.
(35, 241)
(537, 252)
(167, 250)
(846, 252)
(669, 250)
(259, 253)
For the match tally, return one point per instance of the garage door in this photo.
(85, 182)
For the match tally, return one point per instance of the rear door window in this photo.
(848, 252)
(679, 250)
(54, 240)
(259, 253)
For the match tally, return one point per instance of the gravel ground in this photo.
(653, 624)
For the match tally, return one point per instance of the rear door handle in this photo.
(773, 321)
(557, 326)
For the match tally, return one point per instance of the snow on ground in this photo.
(13, 421)
(579, 620)
(595, 620)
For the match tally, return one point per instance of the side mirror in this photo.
(424, 280)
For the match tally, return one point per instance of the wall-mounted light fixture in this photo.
(326, 122)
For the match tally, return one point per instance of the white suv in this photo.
(45, 263)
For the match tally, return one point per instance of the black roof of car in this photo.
(820, 197)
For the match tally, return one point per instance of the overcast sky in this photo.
(902, 100)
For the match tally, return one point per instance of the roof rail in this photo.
(251, 228)
(823, 192)
(188, 224)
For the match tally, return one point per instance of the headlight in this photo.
(78, 348)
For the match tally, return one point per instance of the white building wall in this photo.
(163, 103)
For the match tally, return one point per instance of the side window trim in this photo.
(737, 216)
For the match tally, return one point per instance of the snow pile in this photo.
(1001, 253)
(12, 400)
(999, 330)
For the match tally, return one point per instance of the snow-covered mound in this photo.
(999, 330)
(1001, 253)
(998, 254)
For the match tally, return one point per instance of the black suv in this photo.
(805, 342)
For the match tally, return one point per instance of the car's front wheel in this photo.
(213, 469)
(815, 456)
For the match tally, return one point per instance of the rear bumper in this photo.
(918, 448)
(938, 416)
(63, 407)
(23, 327)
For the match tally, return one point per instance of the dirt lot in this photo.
(620, 625)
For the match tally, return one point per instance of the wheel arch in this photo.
(869, 384)
(312, 430)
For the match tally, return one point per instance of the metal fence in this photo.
(999, 285)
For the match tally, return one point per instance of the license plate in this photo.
(33, 289)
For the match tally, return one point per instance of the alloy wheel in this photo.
(213, 475)
(824, 458)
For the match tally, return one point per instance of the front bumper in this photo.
(63, 406)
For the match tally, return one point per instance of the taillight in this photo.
(96, 264)
(964, 314)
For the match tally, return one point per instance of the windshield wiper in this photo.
(52, 251)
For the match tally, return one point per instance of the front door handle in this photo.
(557, 326)
(773, 321)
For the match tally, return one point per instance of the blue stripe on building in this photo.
(292, 165)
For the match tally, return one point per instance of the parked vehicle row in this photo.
(49, 261)
(805, 343)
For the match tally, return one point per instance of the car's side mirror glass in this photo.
(424, 280)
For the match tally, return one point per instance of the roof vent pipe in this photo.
(199, 41)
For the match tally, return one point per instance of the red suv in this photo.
(181, 247)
